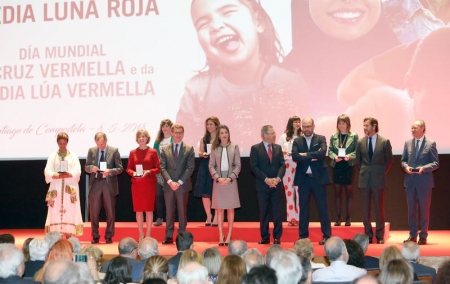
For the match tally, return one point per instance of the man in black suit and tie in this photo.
(103, 163)
(419, 160)
(374, 159)
(177, 166)
(268, 165)
(311, 176)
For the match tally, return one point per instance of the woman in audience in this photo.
(156, 266)
(95, 256)
(38, 253)
(62, 249)
(304, 248)
(189, 255)
(397, 271)
(26, 249)
(231, 270)
(389, 253)
(443, 273)
(212, 261)
(119, 271)
(355, 254)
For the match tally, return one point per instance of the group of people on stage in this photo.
(161, 178)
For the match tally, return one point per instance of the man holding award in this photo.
(103, 163)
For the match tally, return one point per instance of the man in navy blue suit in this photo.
(311, 177)
(268, 165)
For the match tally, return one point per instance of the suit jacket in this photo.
(16, 280)
(350, 147)
(371, 262)
(262, 167)
(422, 270)
(182, 170)
(426, 158)
(317, 150)
(234, 162)
(113, 163)
(173, 264)
(373, 172)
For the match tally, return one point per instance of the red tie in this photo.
(269, 151)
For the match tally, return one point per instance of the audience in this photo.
(12, 265)
(7, 239)
(183, 241)
(76, 245)
(127, 248)
(237, 247)
(95, 254)
(271, 252)
(396, 271)
(370, 262)
(338, 270)
(119, 271)
(156, 266)
(190, 255)
(304, 248)
(63, 271)
(212, 261)
(26, 249)
(193, 273)
(287, 267)
(253, 257)
(38, 252)
(366, 279)
(147, 247)
(231, 270)
(355, 254)
(260, 275)
(51, 238)
(306, 270)
(411, 252)
(389, 253)
(61, 249)
(443, 273)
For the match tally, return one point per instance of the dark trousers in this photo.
(418, 199)
(308, 187)
(378, 195)
(175, 199)
(100, 196)
(270, 199)
(160, 205)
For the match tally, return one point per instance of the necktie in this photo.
(102, 157)
(175, 153)
(269, 151)
(417, 148)
(370, 149)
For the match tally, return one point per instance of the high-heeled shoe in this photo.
(208, 221)
(221, 243)
(227, 241)
(338, 221)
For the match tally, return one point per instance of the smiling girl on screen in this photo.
(242, 82)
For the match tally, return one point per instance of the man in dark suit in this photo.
(411, 251)
(419, 160)
(374, 159)
(103, 163)
(177, 166)
(268, 165)
(184, 241)
(311, 177)
(370, 262)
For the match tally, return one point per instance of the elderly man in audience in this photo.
(260, 275)
(338, 270)
(38, 253)
(128, 249)
(51, 238)
(237, 247)
(63, 271)
(253, 257)
(193, 273)
(272, 252)
(183, 241)
(12, 265)
(76, 245)
(287, 267)
(147, 248)
(370, 262)
(304, 248)
(411, 252)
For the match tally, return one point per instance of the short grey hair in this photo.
(38, 249)
(127, 245)
(237, 247)
(272, 252)
(62, 271)
(362, 240)
(198, 276)
(10, 260)
(411, 251)
(288, 267)
(148, 247)
(76, 245)
(51, 238)
(253, 257)
(265, 129)
(334, 247)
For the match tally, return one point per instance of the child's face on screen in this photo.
(227, 30)
(345, 20)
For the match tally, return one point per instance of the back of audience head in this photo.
(389, 253)
(304, 247)
(192, 273)
(156, 266)
(271, 252)
(119, 271)
(26, 249)
(61, 249)
(397, 271)
(189, 255)
(38, 249)
(154, 281)
(148, 247)
(443, 273)
(253, 257)
(260, 275)
(184, 241)
(411, 251)
(212, 260)
(306, 270)
(7, 239)
(366, 279)
(63, 271)
(335, 249)
(95, 252)
(355, 253)
(11, 261)
(288, 267)
(128, 246)
(362, 240)
(231, 270)
(51, 238)
(237, 247)
(76, 245)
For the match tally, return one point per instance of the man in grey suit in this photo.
(419, 160)
(311, 177)
(374, 159)
(177, 166)
(268, 165)
(104, 164)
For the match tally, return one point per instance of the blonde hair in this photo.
(389, 253)
(190, 255)
(143, 132)
(156, 266)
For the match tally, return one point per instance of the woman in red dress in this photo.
(143, 165)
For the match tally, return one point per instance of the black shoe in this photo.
(323, 241)
(95, 240)
(109, 240)
(348, 222)
(167, 241)
(380, 241)
(370, 241)
(264, 242)
(214, 225)
(221, 244)
(276, 242)
(422, 241)
(411, 239)
(338, 222)
(158, 222)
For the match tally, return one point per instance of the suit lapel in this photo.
(263, 151)
(181, 152)
(377, 147)
(365, 148)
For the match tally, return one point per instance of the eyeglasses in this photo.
(178, 133)
(271, 133)
(307, 126)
